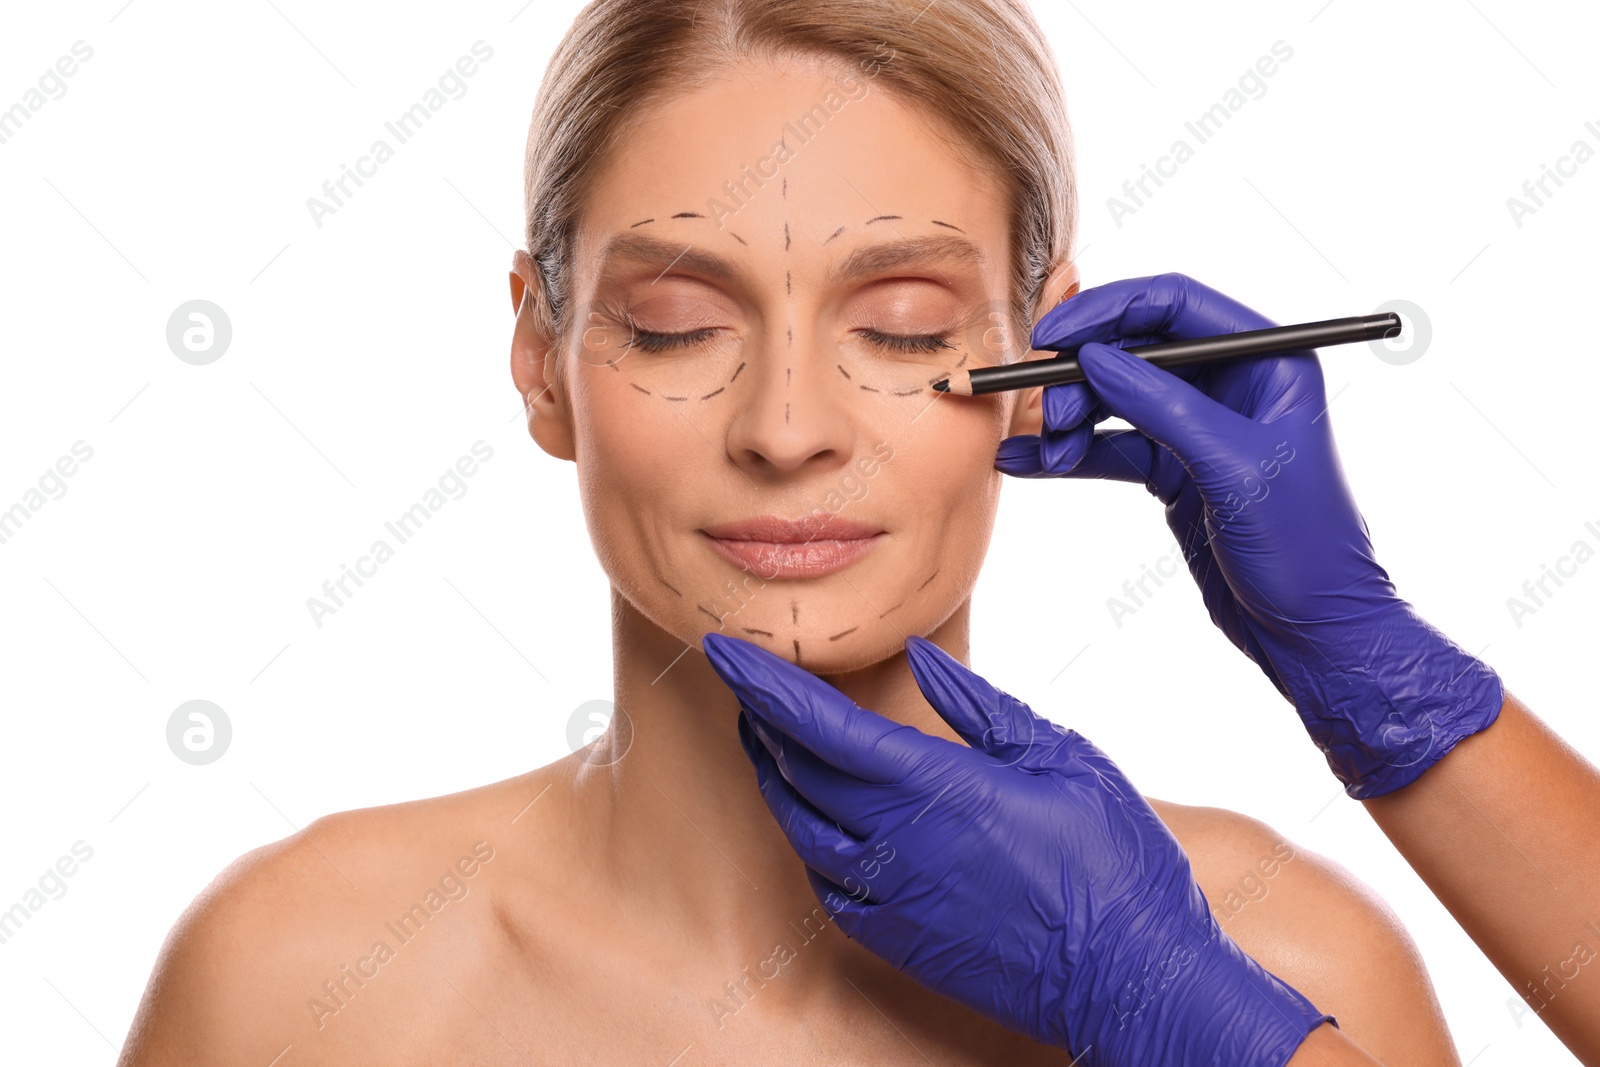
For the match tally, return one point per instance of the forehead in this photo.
(786, 156)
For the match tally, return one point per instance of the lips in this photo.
(808, 547)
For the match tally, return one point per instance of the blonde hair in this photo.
(981, 68)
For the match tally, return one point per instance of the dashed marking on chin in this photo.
(713, 393)
(794, 610)
(842, 633)
(797, 650)
(902, 603)
(701, 608)
(762, 633)
(668, 584)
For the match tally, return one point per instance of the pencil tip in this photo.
(958, 384)
(942, 386)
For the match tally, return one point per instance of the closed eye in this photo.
(647, 341)
(917, 343)
(661, 342)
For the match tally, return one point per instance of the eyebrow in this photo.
(872, 259)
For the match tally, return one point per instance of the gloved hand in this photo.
(1242, 455)
(1024, 876)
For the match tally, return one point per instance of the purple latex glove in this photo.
(1242, 455)
(1024, 876)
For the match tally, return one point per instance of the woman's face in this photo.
(766, 280)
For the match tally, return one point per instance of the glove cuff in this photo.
(1386, 696)
(1207, 1002)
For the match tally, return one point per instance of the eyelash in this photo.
(661, 342)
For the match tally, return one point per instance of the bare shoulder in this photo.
(291, 935)
(1312, 923)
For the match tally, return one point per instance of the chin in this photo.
(826, 634)
(867, 646)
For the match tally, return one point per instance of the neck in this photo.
(679, 814)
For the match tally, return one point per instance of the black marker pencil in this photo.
(1065, 367)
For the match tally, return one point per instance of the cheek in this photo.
(943, 472)
(623, 442)
(952, 445)
(631, 459)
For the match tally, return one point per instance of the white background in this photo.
(370, 353)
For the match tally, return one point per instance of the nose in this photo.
(791, 416)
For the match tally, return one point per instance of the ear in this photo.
(1027, 415)
(533, 356)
